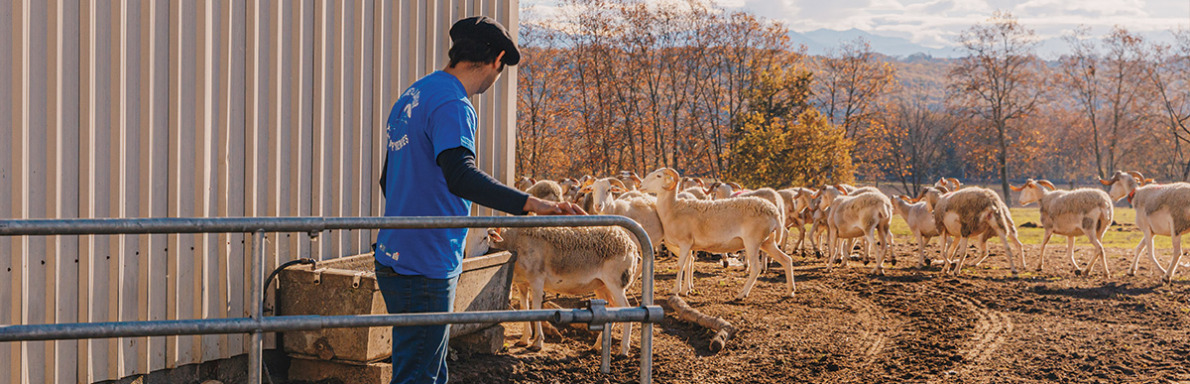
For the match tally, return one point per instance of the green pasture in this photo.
(1122, 234)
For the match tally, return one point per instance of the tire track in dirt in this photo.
(992, 328)
(873, 336)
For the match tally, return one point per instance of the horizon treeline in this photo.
(617, 85)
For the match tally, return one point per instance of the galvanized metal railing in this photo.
(257, 324)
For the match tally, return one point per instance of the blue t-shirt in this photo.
(432, 116)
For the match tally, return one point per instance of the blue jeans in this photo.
(419, 353)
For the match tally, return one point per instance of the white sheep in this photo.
(1161, 209)
(716, 226)
(546, 190)
(974, 212)
(1083, 211)
(696, 192)
(524, 182)
(797, 204)
(640, 209)
(866, 215)
(571, 261)
(920, 217)
(721, 190)
(822, 200)
(948, 183)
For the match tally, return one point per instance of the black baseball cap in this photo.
(486, 30)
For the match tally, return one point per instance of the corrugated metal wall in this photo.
(160, 108)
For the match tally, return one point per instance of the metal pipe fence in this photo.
(257, 324)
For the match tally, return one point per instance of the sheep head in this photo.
(664, 179)
(1031, 191)
(1122, 183)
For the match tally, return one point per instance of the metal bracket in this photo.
(598, 309)
(355, 279)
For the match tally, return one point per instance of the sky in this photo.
(937, 23)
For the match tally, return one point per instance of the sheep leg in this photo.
(921, 250)
(1004, 239)
(618, 297)
(1045, 240)
(1177, 254)
(1078, 271)
(983, 251)
(683, 256)
(1140, 247)
(870, 237)
(1149, 238)
(538, 294)
(785, 261)
(753, 254)
(833, 249)
(527, 333)
(801, 240)
(962, 247)
(1100, 253)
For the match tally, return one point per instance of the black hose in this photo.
(265, 291)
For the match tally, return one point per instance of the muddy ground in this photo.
(910, 325)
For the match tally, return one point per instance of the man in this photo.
(430, 171)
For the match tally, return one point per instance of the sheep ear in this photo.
(1016, 188)
(904, 198)
(494, 234)
(588, 182)
(617, 190)
(1105, 182)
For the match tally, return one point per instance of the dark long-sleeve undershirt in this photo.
(465, 180)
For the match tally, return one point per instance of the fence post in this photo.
(256, 350)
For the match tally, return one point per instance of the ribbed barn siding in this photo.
(156, 108)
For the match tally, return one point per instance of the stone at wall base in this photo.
(487, 341)
(317, 370)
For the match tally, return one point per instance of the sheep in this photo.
(642, 209)
(972, 212)
(773, 197)
(524, 182)
(630, 179)
(546, 190)
(693, 182)
(796, 208)
(721, 190)
(697, 193)
(822, 201)
(716, 226)
(920, 217)
(949, 183)
(572, 261)
(866, 215)
(1083, 211)
(1161, 209)
(570, 189)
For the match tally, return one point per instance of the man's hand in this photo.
(544, 207)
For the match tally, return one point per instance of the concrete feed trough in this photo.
(347, 286)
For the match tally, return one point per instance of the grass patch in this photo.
(1121, 235)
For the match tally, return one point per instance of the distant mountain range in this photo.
(821, 41)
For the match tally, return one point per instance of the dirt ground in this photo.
(848, 326)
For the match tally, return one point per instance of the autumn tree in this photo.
(914, 132)
(849, 82)
(997, 81)
(1168, 72)
(1110, 88)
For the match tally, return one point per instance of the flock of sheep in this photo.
(687, 215)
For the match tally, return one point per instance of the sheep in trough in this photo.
(716, 226)
(1161, 209)
(571, 261)
(546, 190)
(1083, 211)
(524, 182)
(974, 212)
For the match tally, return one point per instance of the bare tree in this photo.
(1168, 70)
(997, 80)
(851, 80)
